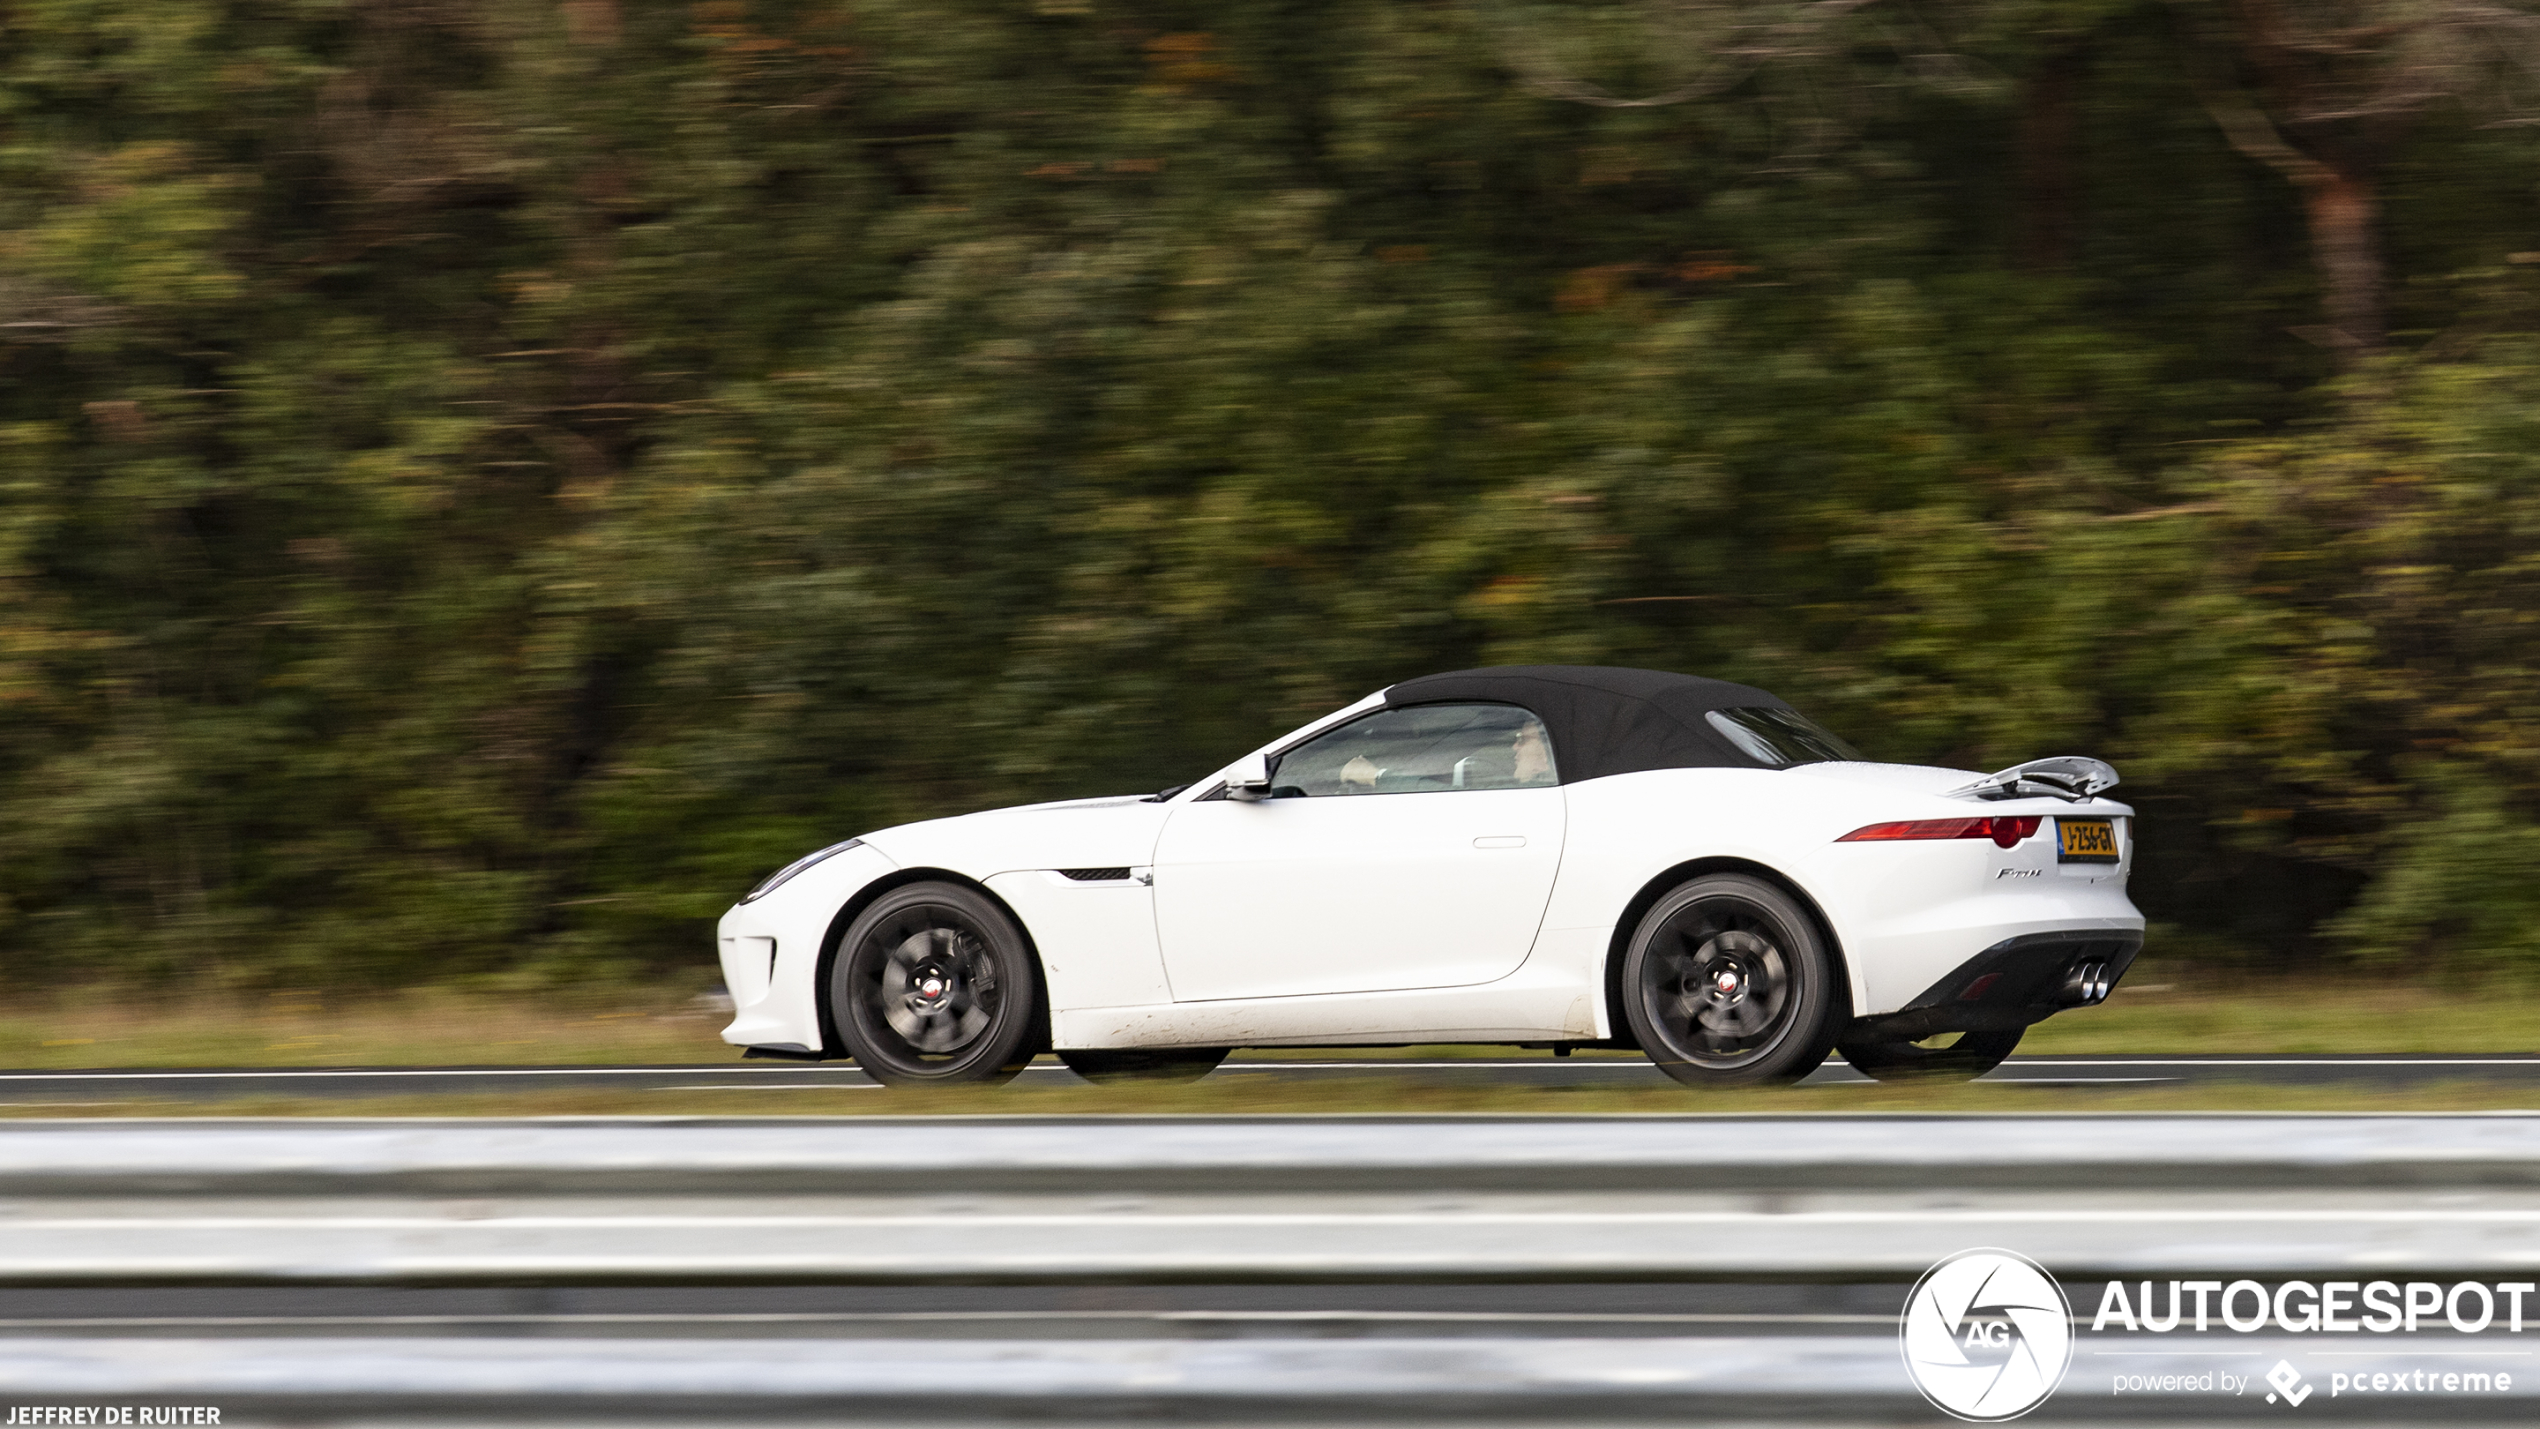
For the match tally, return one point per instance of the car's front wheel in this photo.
(1728, 983)
(1971, 1056)
(1113, 1067)
(933, 984)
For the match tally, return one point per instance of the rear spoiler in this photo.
(2066, 776)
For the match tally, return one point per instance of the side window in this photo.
(1426, 749)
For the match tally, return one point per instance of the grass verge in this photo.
(2161, 1008)
(104, 1027)
(2169, 1008)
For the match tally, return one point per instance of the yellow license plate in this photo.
(2086, 840)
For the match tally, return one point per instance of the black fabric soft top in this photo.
(1604, 719)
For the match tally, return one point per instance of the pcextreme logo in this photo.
(1987, 1335)
(2288, 1383)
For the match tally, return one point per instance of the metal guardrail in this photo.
(643, 1154)
(912, 1200)
(1442, 1378)
(1355, 1199)
(1823, 1381)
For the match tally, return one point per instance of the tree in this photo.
(2325, 92)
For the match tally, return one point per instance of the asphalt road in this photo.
(1520, 1069)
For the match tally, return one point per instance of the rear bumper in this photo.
(2014, 983)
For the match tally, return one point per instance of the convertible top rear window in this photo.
(1780, 738)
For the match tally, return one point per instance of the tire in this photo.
(1122, 1066)
(1970, 1057)
(933, 986)
(1728, 983)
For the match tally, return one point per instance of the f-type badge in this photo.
(1987, 1335)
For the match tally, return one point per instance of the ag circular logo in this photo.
(1987, 1335)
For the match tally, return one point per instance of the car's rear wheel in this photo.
(933, 985)
(1116, 1066)
(1971, 1056)
(1728, 983)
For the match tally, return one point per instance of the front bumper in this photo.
(769, 950)
(2014, 983)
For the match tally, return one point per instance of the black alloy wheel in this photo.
(1117, 1066)
(1970, 1057)
(934, 985)
(1728, 983)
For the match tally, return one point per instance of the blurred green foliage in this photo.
(481, 483)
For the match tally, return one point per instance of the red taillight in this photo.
(2003, 829)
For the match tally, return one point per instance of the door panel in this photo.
(1290, 896)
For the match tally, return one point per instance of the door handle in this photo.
(1501, 841)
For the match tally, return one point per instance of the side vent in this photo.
(1097, 875)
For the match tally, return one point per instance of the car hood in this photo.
(1107, 801)
(1111, 832)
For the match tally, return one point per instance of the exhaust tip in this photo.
(2088, 984)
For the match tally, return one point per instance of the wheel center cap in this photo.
(1725, 982)
(931, 987)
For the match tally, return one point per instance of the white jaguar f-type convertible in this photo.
(1561, 856)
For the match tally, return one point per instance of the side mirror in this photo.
(1250, 778)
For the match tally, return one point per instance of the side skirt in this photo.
(1529, 1005)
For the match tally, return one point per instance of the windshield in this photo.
(1778, 739)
